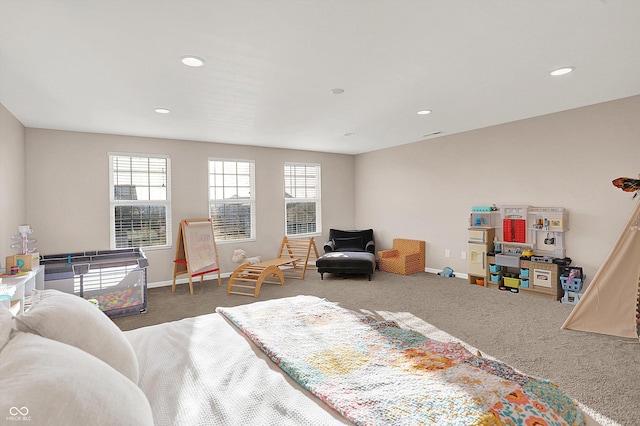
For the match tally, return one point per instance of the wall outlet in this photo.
(463, 255)
(447, 253)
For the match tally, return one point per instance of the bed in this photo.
(291, 361)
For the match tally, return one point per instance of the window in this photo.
(140, 201)
(302, 198)
(232, 203)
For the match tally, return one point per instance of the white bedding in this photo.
(197, 371)
(203, 371)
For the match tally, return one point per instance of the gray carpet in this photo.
(601, 372)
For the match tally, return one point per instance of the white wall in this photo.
(425, 190)
(12, 180)
(422, 190)
(68, 191)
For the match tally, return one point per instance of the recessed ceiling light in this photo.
(337, 91)
(424, 112)
(192, 61)
(162, 111)
(562, 71)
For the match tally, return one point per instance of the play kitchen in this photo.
(519, 248)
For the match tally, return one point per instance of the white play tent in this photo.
(610, 303)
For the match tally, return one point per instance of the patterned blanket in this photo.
(377, 373)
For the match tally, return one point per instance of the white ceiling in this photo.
(104, 65)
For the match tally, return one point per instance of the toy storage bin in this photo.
(575, 285)
(495, 278)
(494, 268)
(511, 282)
(524, 283)
(524, 272)
(570, 283)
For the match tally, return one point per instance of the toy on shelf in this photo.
(27, 259)
(482, 208)
(23, 236)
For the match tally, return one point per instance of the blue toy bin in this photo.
(524, 272)
(495, 278)
(524, 283)
(575, 285)
(494, 268)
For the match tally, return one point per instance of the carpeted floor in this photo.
(601, 372)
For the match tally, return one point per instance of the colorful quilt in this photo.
(377, 373)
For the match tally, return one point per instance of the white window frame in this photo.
(303, 191)
(225, 186)
(113, 202)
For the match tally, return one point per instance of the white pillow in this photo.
(77, 322)
(48, 382)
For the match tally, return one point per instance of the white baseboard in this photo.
(228, 274)
(186, 280)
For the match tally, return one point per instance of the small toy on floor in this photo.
(240, 256)
(447, 272)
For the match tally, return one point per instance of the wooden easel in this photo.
(196, 251)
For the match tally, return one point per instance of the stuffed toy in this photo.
(240, 256)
